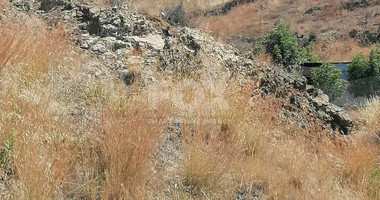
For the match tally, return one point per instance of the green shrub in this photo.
(282, 46)
(327, 78)
(361, 68)
(358, 68)
(374, 61)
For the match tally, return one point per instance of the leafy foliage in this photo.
(282, 46)
(327, 78)
(363, 74)
(361, 68)
(374, 60)
(358, 68)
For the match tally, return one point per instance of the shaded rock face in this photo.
(366, 37)
(225, 8)
(176, 16)
(48, 5)
(355, 4)
(121, 38)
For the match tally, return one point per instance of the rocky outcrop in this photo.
(301, 101)
(355, 4)
(122, 39)
(366, 37)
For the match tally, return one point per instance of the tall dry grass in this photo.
(129, 137)
(253, 145)
(29, 42)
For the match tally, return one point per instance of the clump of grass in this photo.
(129, 135)
(41, 159)
(29, 42)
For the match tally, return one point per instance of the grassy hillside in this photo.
(68, 132)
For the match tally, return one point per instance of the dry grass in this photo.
(369, 116)
(241, 146)
(347, 50)
(129, 139)
(25, 42)
(42, 158)
(251, 145)
(332, 24)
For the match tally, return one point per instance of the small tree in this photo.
(282, 46)
(327, 78)
(358, 69)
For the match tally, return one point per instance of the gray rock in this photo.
(99, 47)
(22, 5)
(154, 41)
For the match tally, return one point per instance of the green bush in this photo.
(374, 60)
(358, 68)
(361, 68)
(282, 46)
(327, 78)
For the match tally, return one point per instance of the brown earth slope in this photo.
(331, 20)
(332, 23)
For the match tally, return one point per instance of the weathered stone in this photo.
(154, 41)
(22, 5)
(99, 47)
